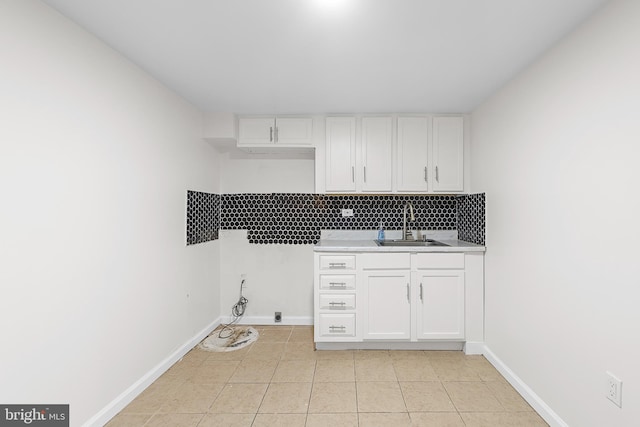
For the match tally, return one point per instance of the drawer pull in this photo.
(337, 284)
(334, 305)
(335, 329)
(337, 265)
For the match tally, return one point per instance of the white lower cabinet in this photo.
(398, 297)
(335, 296)
(439, 304)
(386, 305)
(334, 327)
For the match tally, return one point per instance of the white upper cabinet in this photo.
(359, 165)
(430, 162)
(377, 154)
(253, 132)
(340, 150)
(394, 154)
(275, 132)
(294, 131)
(448, 157)
(413, 145)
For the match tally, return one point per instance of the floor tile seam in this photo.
(150, 418)
(440, 382)
(451, 399)
(404, 399)
(209, 413)
(185, 413)
(261, 402)
(490, 391)
(500, 400)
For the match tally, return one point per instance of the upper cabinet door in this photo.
(256, 131)
(294, 131)
(412, 167)
(375, 171)
(340, 154)
(448, 148)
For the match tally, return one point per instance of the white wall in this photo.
(98, 287)
(266, 173)
(278, 277)
(557, 153)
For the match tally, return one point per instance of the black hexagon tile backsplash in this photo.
(284, 218)
(203, 217)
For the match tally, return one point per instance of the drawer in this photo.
(386, 260)
(438, 261)
(337, 301)
(337, 262)
(337, 282)
(337, 325)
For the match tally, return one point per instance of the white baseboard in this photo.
(127, 396)
(267, 320)
(529, 395)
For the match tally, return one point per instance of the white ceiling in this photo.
(331, 56)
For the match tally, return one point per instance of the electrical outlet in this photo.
(614, 389)
(347, 212)
(277, 317)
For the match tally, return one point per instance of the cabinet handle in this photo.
(353, 174)
(408, 293)
(337, 265)
(365, 174)
(421, 299)
(271, 134)
(337, 284)
(340, 304)
(276, 132)
(425, 174)
(333, 329)
(437, 177)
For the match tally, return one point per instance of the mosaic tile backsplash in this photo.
(203, 217)
(471, 218)
(283, 218)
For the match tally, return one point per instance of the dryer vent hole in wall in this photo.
(277, 317)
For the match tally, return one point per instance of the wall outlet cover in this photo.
(614, 389)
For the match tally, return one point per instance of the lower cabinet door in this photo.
(386, 305)
(440, 304)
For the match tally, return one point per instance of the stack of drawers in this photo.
(336, 297)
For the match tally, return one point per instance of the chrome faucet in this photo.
(406, 233)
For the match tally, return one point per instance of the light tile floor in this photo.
(281, 381)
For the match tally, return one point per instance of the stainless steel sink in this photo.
(428, 242)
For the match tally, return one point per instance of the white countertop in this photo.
(364, 241)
